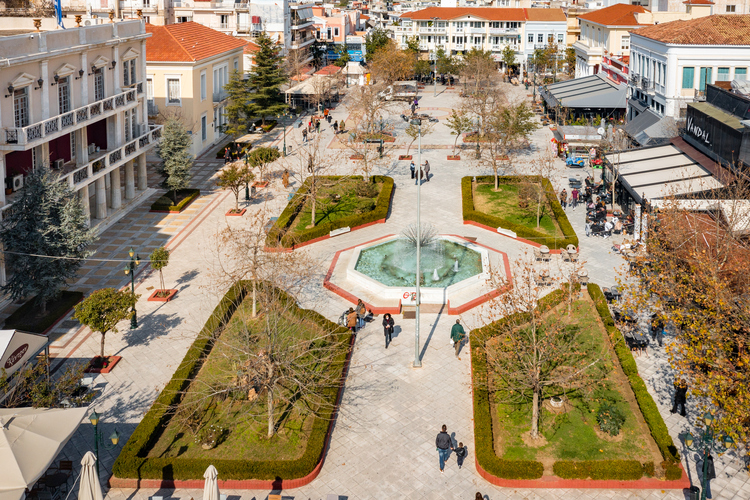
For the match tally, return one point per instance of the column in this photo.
(82, 146)
(83, 196)
(129, 181)
(116, 196)
(142, 175)
(101, 198)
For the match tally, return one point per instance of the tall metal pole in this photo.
(96, 446)
(417, 361)
(284, 152)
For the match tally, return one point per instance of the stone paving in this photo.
(382, 444)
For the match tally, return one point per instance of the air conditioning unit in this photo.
(58, 164)
(17, 182)
(92, 148)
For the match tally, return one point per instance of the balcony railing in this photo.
(501, 31)
(181, 4)
(220, 96)
(458, 46)
(153, 109)
(60, 123)
(84, 175)
(429, 31)
(635, 79)
(646, 84)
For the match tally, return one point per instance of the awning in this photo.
(589, 92)
(304, 13)
(314, 85)
(659, 172)
(17, 347)
(650, 129)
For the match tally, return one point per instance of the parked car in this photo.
(574, 161)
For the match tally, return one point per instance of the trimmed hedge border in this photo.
(166, 206)
(132, 462)
(646, 403)
(469, 214)
(621, 470)
(279, 235)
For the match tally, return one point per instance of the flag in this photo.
(58, 14)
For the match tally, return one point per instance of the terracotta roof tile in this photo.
(546, 15)
(710, 30)
(698, 2)
(616, 15)
(187, 42)
(485, 13)
(251, 48)
(328, 70)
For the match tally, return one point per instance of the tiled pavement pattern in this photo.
(382, 445)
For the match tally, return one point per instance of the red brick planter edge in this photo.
(154, 298)
(113, 362)
(494, 230)
(236, 214)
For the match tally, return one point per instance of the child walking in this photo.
(460, 454)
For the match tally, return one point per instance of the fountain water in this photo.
(455, 266)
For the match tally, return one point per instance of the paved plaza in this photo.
(382, 444)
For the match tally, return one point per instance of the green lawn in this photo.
(245, 422)
(504, 203)
(328, 210)
(571, 435)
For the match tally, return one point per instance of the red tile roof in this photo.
(616, 15)
(546, 15)
(711, 30)
(328, 70)
(698, 2)
(187, 42)
(485, 13)
(251, 48)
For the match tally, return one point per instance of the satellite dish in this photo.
(600, 131)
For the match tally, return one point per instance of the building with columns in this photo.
(74, 101)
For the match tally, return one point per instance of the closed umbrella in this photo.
(89, 489)
(30, 440)
(211, 485)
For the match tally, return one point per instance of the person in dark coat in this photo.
(227, 156)
(657, 329)
(412, 168)
(710, 474)
(444, 445)
(387, 328)
(460, 454)
(680, 397)
(427, 170)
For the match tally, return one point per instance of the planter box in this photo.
(111, 362)
(454, 157)
(164, 298)
(357, 157)
(502, 158)
(404, 157)
(232, 213)
(260, 184)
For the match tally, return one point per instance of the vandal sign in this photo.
(697, 132)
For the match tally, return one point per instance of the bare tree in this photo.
(324, 88)
(543, 167)
(414, 131)
(295, 62)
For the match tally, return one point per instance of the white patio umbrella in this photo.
(211, 485)
(30, 440)
(89, 489)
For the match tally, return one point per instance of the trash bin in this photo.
(694, 493)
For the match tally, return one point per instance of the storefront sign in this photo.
(697, 132)
(16, 356)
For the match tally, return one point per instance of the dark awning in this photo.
(589, 92)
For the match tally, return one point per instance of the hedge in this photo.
(646, 403)
(132, 461)
(483, 438)
(280, 235)
(467, 197)
(622, 470)
(165, 202)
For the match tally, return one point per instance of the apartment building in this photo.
(672, 63)
(74, 101)
(717, 7)
(187, 68)
(159, 12)
(459, 29)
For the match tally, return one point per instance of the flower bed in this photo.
(165, 203)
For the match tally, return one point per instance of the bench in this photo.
(339, 231)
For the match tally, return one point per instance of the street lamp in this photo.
(418, 299)
(247, 184)
(280, 116)
(707, 440)
(135, 260)
(114, 438)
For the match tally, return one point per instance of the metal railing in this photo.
(219, 96)
(433, 30)
(647, 84)
(153, 109)
(59, 123)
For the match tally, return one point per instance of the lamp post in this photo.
(707, 440)
(418, 299)
(114, 438)
(135, 260)
(247, 184)
(280, 116)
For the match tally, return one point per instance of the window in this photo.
(531, 38)
(134, 121)
(731, 9)
(128, 73)
(150, 89)
(560, 38)
(740, 73)
(335, 31)
(236, 64)
(625, 43)
(21, 106)
(550, 38)
(223, 21)
(98, 84)
(705, 77)
(127, 126)
(204, 128)
(184, 19)
(173, 91)
(63, 94)
(723, 75)
(540, 38)
(203, 85)
(687, 77)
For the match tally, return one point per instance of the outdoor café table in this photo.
(54, 481)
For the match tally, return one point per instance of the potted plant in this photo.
(159, 259)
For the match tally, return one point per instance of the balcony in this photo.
(220, 96)
(153, 109)
(21, 138)
(298, 24)
(503, 31)
(431, 31)
(181, 4)
(647, 85)
(299, 43)
(458, 46)
(635, 79)
(479, 31)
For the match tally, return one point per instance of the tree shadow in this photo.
(186, 277)
(150, 327)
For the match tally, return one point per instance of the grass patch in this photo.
(165, 203)
(337, 199)
(505, 203)
(29, 318)
(573, 436)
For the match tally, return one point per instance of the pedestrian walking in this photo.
(361, 311)
(460, 454)
(416, 102)
(574, 197)
(335, 127)
(563, 198)
(412, 168)
(657, 329)
(427, 170)
(342, 126)
(387, 328)
(413, 108)
(457, 336)
(317, 125)
(329, 118)
(304, 136)
(710, 474)
(444, 445)
(680, 397)
(325, 113)
(351, 320)
(227, 155)
(285, 178)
